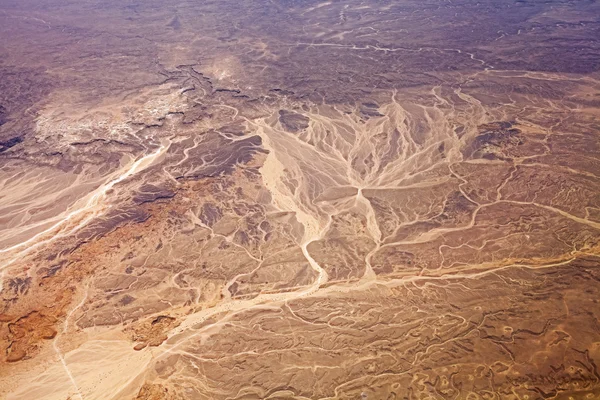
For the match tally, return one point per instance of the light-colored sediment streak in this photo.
(273, 172)
(374, 231)
(59, 352)
(83, 211)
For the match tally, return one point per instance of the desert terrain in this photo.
(376, 199)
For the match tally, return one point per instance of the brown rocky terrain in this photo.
(300, 200)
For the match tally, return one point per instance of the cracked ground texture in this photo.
(299, 200)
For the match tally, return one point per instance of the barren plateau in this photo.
(301, 200)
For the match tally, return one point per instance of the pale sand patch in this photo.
(101, 368)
